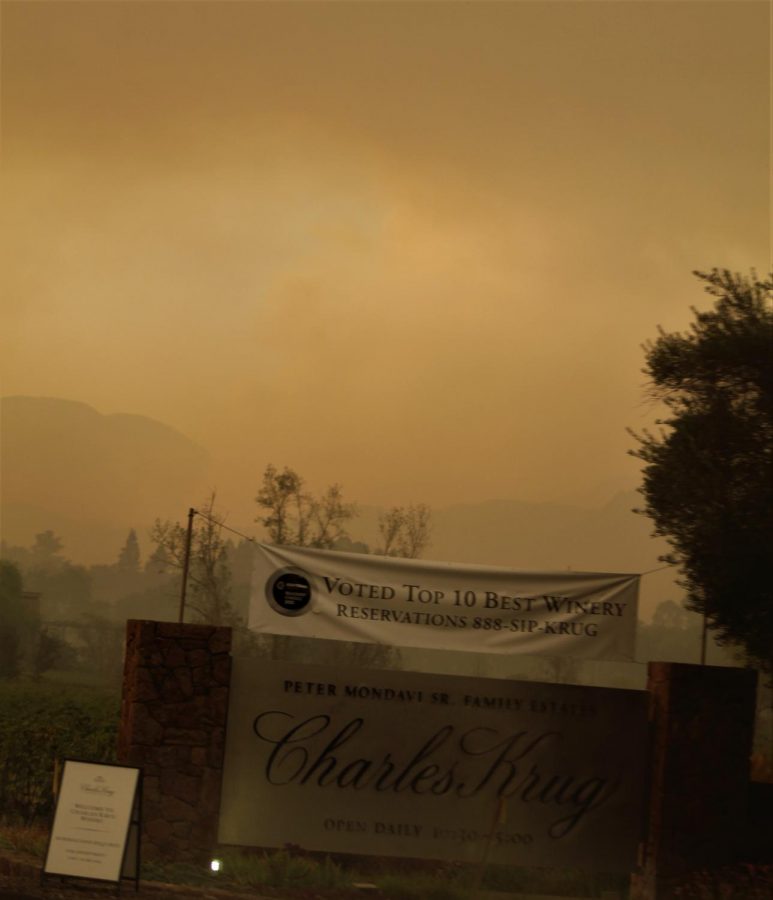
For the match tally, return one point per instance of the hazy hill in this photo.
(546, 536)
(90, 477)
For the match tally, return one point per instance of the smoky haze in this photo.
(414, 248)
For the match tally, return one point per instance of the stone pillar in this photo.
(173, 716)
(702, 721)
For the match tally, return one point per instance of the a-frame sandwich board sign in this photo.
(95, 833)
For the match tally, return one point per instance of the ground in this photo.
(20, 880)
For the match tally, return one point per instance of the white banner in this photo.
(433, 766)
(414, 603)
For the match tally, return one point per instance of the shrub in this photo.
(40, 724)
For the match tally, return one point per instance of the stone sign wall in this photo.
(173, 717)
(701, 719)
(173, 721)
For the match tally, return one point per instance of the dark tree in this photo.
(19, 622)
(45, 551)
(405, 531)
(291, 515)
(11, 619)
(52, 652)
(707, 477)
(209, 575)
(66, 590)
(129, 557)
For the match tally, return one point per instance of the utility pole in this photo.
(186, 562)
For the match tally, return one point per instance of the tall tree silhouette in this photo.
(707, 476)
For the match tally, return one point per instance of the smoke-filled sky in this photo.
(411, 247)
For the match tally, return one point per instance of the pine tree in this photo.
(129, 557)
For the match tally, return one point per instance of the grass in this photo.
(423, 887)
(280, 869)
(77, 681)
(283, 870)
(396, 879)
(30, 839)
(276, 869)
(287, 870)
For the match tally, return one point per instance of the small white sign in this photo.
(92, 820)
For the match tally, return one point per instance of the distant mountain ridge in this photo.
(65, 466)
(90, 477)
(520, 534)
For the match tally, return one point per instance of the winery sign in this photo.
(414, 603)
(432, 766)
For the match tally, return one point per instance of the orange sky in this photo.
(411, 247)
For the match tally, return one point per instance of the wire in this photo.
(255, 540)
(220, 524)
(659, 569)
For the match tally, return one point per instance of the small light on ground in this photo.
(215, 865)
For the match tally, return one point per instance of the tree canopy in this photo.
(209, 575)
(291, 515)
(129, 557)
(405, 531)
(707, 476)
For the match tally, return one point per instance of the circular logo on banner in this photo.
(288, 592)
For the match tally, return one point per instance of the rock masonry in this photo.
(701, 724)
(173, 719)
